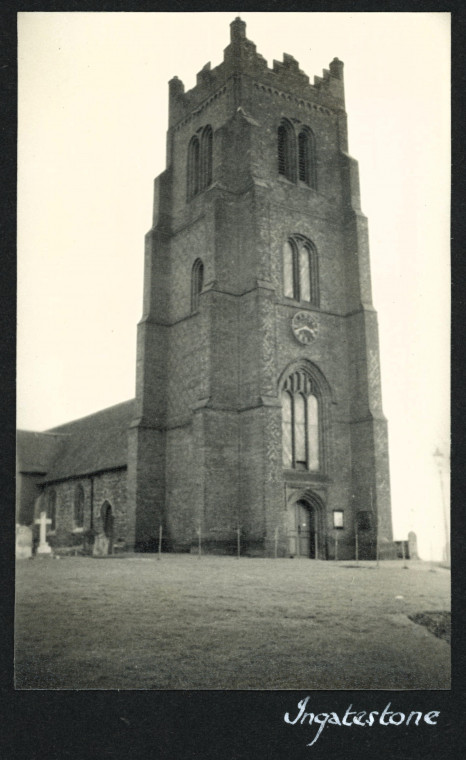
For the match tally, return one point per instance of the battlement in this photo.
(241, 58)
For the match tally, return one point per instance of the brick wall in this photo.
(108, 486)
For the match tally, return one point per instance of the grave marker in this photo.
(43, 521)
(100, 548)
(23, 542)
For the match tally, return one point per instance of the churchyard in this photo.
(184, 622)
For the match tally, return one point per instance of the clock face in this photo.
(305, 326)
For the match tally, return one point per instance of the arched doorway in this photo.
(108, 519)
(305, 536)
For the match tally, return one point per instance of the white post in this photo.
(438, 456)
(357, 545)
(316, 545)
(43, 521)
(336, 546)
(160, 541)
(276, 542)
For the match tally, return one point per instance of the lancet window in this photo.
(79, 507)
(300, 270)
(197, 281)
(199, 174)
(286, 150)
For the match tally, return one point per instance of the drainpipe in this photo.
(92, 503)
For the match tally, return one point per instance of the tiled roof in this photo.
(91, 444)
(35, 452)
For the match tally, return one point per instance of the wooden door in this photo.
(303, 527)
(301, 530)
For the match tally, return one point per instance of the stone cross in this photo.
(43, 521)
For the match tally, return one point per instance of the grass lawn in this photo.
(134, 622)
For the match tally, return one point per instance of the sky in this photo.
(93, 115)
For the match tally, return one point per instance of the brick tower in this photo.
(259, 408)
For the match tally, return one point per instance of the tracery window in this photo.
(197, 281)
(300, 270)
(199, 174)
(79, 507)
(300, 423)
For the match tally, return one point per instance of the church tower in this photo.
(259, 413)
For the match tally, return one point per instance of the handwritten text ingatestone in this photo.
(358, 718)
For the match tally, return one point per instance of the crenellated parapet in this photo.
(242, 59)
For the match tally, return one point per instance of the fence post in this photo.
(160, 541)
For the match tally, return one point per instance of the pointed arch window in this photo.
(199, 174)
(286, 151)
(79, 507)
(289, 279)
(287, 429)
(304, 268)
(306, 157)
(52, 510)
(300, 270)
(296, 154)
(301, 436)
(206, 158)
(197, 281)
(193, 167)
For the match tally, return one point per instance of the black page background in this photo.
(55, 725)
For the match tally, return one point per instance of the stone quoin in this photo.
(258, 409)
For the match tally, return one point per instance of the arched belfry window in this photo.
(206, 158)
(306, 157)
(296, 154)
(79, 507)
(300, 270)
(301, 422)
(199, 174)
(286, 151)
(193, 167)
(197, 281)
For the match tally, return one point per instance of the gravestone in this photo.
(100, 548)
(23, 542)
(43, 549)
